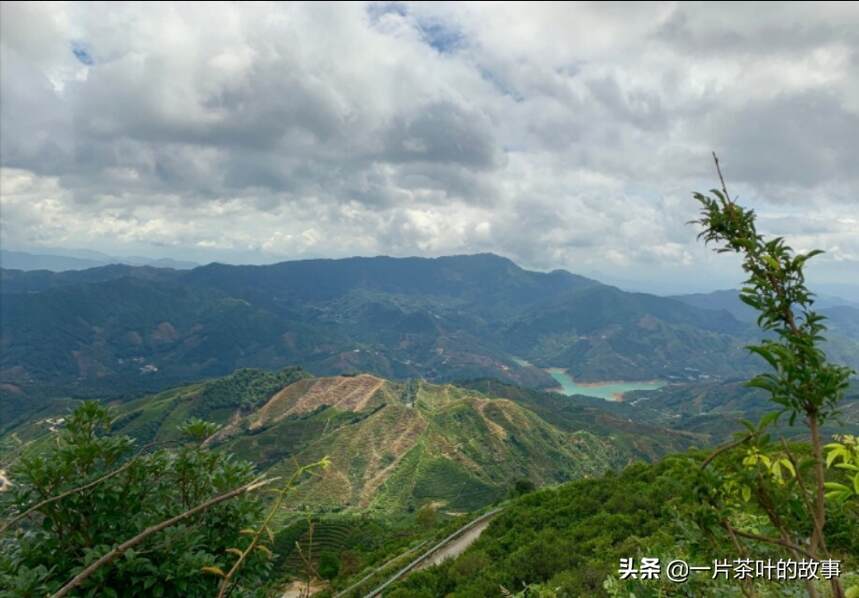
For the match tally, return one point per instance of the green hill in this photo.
(394, 446)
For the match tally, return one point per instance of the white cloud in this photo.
(561, 135)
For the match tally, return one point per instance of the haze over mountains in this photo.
(729, 300)
(80, 260)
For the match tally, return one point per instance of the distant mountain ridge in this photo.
(22, 260)
(842, 319)
(729, 300)
(125, 329)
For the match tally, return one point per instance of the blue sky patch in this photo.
(441, 36)
(376, 10)
(501, 85)
(82, 53)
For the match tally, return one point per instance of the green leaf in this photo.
(834, 454)
(847, 466)
(750, 426)
(213, 570)
(768, 419)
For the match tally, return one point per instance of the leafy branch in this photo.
(48, 501)
(803, 383)
(121, 548)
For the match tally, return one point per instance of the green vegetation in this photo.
(568, 541)
(368, 549)
(803, 384)
(156, 417)
(358, 543)
(59, 531)
(395, 450)
(76, 498)
(638, 431)
(568, 538)
(714, 410)
(396, 447)
(408, 461)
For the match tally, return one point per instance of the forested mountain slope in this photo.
(123, 329)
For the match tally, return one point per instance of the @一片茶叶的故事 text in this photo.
(679, 570)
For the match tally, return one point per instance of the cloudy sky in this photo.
(561, 136)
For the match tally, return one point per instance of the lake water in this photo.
(610, 391)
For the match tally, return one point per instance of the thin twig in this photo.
(721, 178)
(226, 583)
(741, 550)
(310, 572)
(767, 540)
(724, 448)
(803, 490)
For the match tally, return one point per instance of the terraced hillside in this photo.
(397, 446)
(394, 446)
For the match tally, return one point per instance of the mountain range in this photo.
(130, 329)
(80, 260)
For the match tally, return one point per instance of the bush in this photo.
(60, 538)
(329, 565)
(521, 487)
